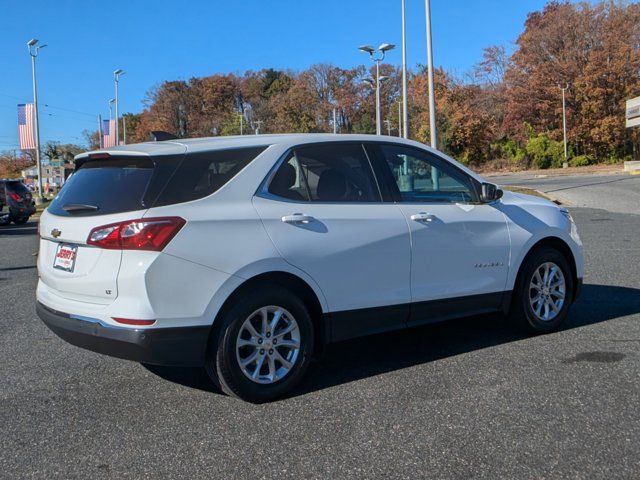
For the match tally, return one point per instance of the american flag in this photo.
(25, 126)
(108, 133)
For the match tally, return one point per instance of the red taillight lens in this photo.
(129, 321)
(15, 196)
(142, 234)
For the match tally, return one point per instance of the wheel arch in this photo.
(557, 244)
(295, 285)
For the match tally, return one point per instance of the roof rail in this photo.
(159, 136)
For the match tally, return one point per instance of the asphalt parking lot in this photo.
(468, 398)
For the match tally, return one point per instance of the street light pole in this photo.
(432, 95)
(111, 102)
(378, 114)
(405, 111)
(335, 123)
(387, 122)
(33, 52)
(383, 49)
(116, 80)
(564, 119)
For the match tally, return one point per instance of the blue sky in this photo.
(160, 40)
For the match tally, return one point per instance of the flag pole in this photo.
(100, 138)
(33, 52)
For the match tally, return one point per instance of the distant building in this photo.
(54, 175)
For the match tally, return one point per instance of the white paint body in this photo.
(355, 256)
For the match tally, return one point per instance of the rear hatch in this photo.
(103, 190)
(18, 194)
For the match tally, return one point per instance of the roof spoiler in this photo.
(159, 136)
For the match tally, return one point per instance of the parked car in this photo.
(19, 201)
(246, 255)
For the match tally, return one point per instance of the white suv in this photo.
(247, 254)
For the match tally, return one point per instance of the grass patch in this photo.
(526, 191)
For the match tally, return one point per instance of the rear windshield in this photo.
(123, 184)
(16, 187)
(104, 186)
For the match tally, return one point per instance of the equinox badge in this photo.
(56, 233)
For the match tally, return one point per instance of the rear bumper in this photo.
(181, 346)
(25, 211)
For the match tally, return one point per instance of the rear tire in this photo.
(543, 293)
(259, 360)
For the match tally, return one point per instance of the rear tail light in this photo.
(130, 321)
(142, 234)
(15, 197)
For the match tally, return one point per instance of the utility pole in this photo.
(241, 123)
(116, 80)
(405, 114)
(564, 119)
(400, 119)
(124, 130)
(33, 51)
(435, 174)
(432, 95)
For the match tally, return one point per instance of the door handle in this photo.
(297, 218)
(423, 217)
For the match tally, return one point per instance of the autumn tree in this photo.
(595, 50)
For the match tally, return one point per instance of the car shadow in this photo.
(364, 357)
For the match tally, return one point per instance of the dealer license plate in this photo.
(65, 257)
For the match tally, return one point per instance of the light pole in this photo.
(111, 102)
(405, 111)
(564, 118)
(400, 119)
(116, 80)
(387, 122)
(432, 95)
(34, 49)
(383, 49)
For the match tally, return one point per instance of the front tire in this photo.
(263, 346)
(543, 293)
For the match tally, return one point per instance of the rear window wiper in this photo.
(80, 207)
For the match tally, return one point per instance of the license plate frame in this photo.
(67, 261)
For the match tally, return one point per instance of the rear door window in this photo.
(331, 172)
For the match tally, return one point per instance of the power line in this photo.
(69, 110)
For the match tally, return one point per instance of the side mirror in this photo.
(490, 193)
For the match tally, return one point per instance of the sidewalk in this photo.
(555, 172)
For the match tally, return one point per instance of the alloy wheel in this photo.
(547, 291)
(268, 344)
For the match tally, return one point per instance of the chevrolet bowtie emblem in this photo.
(56, 233)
